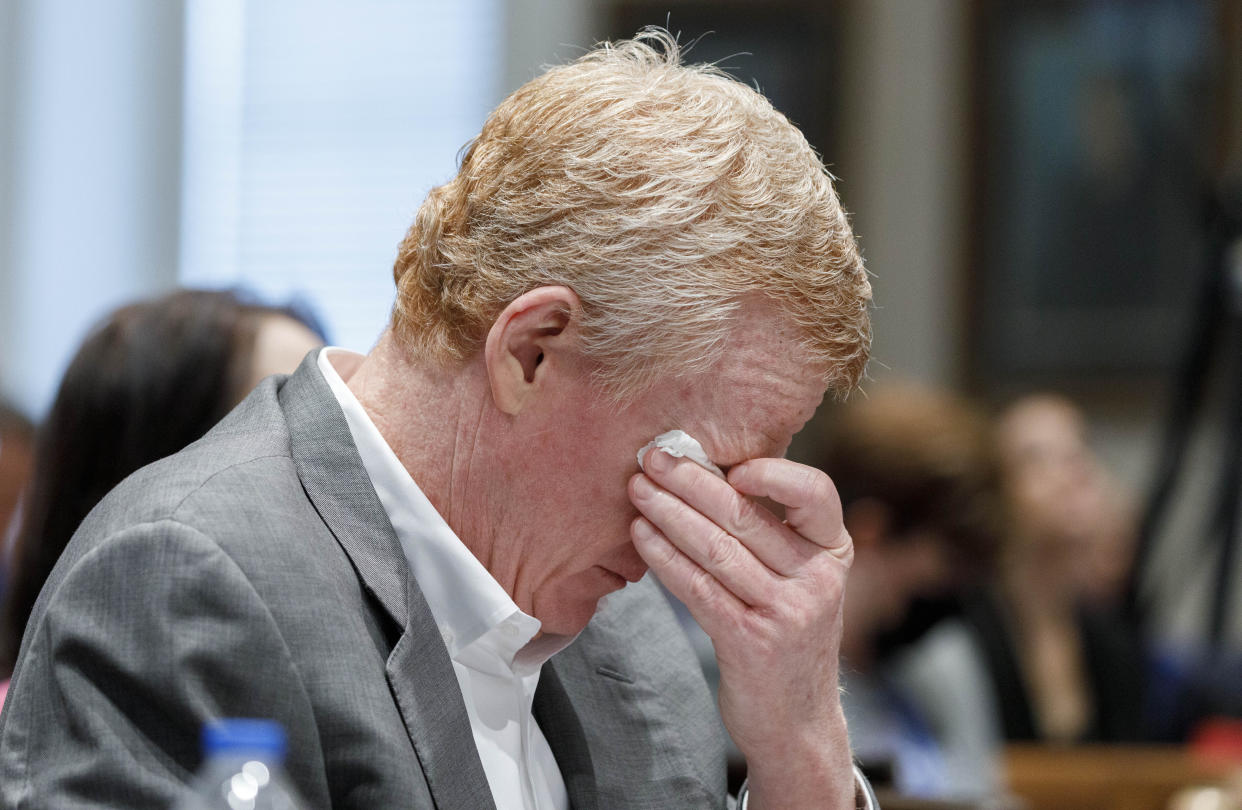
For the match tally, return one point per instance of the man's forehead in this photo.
(763, 388)
(750, 406)
(765, 336)
(761, 318)
(776, 391)
(772, 371)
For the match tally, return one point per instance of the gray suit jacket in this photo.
(256, 574)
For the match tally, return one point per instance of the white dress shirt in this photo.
(488, 637)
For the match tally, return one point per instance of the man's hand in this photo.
(769, 594)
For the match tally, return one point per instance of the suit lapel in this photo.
(422, 679)
(336, 482)
(561, 727)
(628, 692)
(419, 670)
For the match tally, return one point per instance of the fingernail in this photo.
(659, 460)
(642, 530)
(643, 488)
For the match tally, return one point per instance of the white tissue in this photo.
(680, 444)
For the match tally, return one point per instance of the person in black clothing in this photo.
(1066, 667)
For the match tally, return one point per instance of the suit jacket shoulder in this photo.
(647, 716)
(207, 585)
(256, 574)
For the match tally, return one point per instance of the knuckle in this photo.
(701, 586)
(813, 486)
(769, 593)
(665, 554)
(799, 616)
(668, 555)
(791, 609)
(721, 548)
(828, 585)
(834, 591)
(743, 518)
(760, 632)
(845, 550)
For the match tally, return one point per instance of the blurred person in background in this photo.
(17, 438)
(150, 379)
(920, 488)
(1064, 665)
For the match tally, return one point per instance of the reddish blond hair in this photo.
(663, 195)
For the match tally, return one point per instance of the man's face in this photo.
(749, 406)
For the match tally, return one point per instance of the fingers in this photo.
(812, 505)
(709, 546)
(774, 544)
(713, 606)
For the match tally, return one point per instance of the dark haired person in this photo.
(16, 460)
(17, 437)
(152, 377)
(920, 486)
(1065, 666)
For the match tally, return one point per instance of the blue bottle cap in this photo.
(265, 738)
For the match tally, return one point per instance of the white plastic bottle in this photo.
(243, 769)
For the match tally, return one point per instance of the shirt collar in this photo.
(464, 598)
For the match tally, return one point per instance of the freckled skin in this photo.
(749, 406)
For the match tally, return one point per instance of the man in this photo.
(382, 552)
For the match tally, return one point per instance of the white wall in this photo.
(315, 131)
(8, 70)
(91, 170)
(92, 167)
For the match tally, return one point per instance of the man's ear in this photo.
(533, 328)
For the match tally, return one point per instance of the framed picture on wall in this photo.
(785, 49)
(1094, 129)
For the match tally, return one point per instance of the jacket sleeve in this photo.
(130, 649)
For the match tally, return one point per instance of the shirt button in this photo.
(447, 635)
